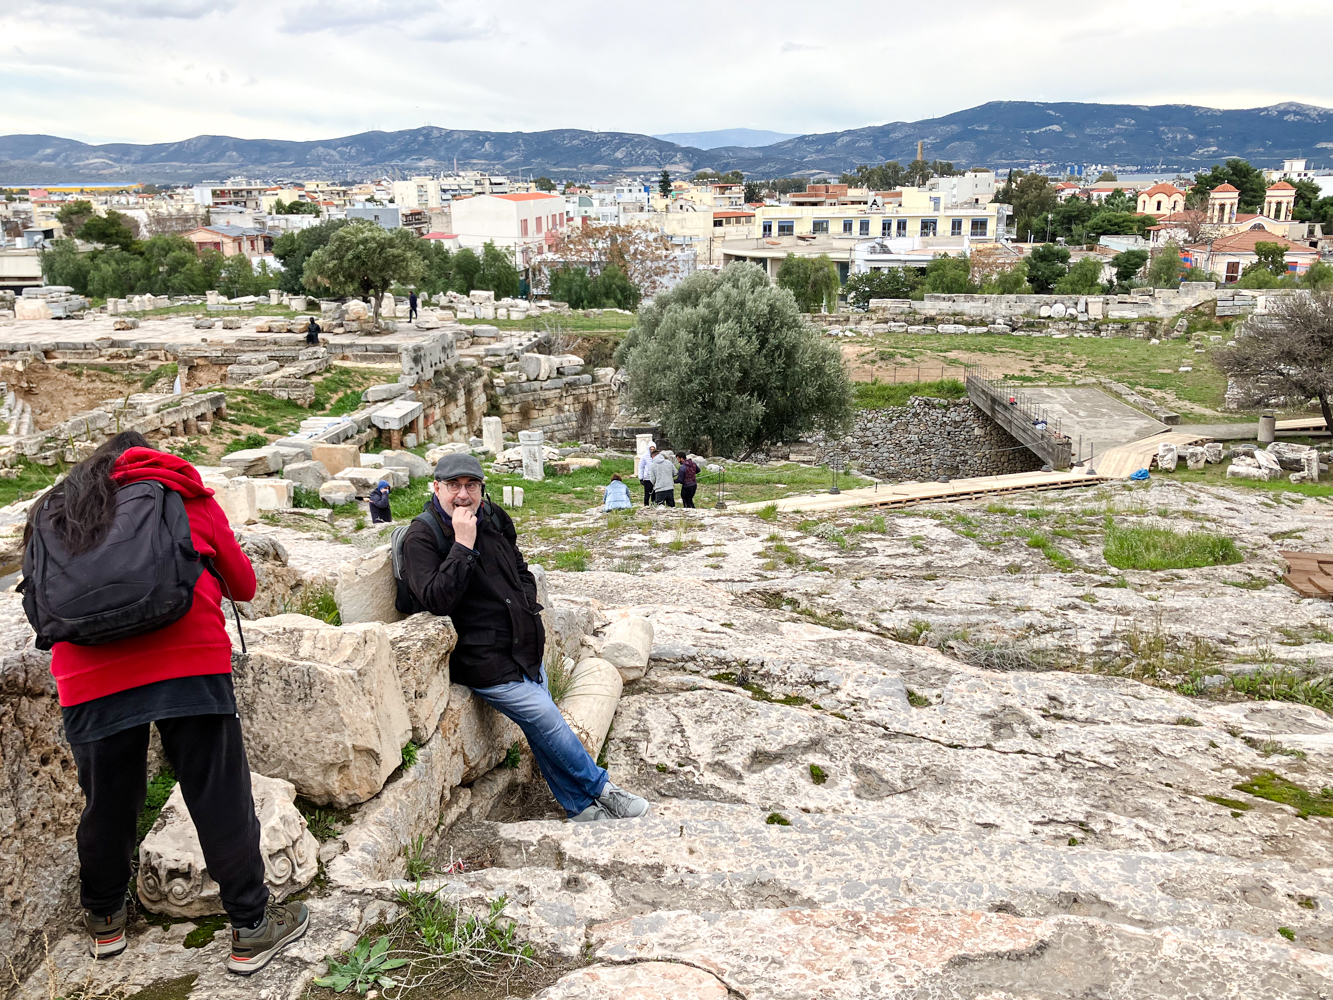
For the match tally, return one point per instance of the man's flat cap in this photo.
(455, 465)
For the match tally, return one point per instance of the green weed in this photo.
(817, 774)
(574, 560)
(1160, 548)
(204, 930)
(409, 753)
(418, 867)
(917, 700)
(1274, 788)
(881, 395)
(768, 512)
(777, 819)
(159, 790)
(319, 604)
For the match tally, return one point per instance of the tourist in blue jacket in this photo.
(379, 503)
(617, 495)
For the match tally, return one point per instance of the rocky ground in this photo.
(938, 752)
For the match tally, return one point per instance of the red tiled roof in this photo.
(733, 215)
(1163, 188)
(1282, 186)
(1244, 243)
(1224, 186)
(528, 196)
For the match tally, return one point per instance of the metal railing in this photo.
(1039, 422)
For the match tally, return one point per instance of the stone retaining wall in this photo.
(565, 412)
(927, 439)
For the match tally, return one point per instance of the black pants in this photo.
(665, 498)
(377, 515)
(208, 756)
(687, 495)
(647, 491)
(411, 312)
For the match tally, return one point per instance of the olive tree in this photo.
(727, 363)
(1285, 352)
(363, 259)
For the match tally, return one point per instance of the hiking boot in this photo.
(620, 804)
(106, 934)
(251, 950)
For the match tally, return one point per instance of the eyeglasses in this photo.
(459, 486)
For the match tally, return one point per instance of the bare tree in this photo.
(642, 253)
(1285, 352)
(171, 218)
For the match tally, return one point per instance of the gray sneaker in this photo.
(620, 804)
(106, 935)
(592, 814)
(251, 950)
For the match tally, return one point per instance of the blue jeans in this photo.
(573, 776)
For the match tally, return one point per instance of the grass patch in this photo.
(573, 560)
(409, 754)
(1235, 804)
(418, 867)
(768, 512)
(878, 395)
(817, 774)
(559, 678)
(777, 819)
(917, 700)
(323, 822)
(247, 442)
(1274, 788)
(1048, 548)
(1284, 685)
(204, 930)
(168, 371)
(159, 790)
(319, 604)
(1160, 548)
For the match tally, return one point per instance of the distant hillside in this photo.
(998, 134)
(1018, 133)
(744, 137)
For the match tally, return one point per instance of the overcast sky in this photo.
(163, 70)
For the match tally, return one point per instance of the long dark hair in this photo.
(83, 504)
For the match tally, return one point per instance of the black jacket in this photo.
(489, 593)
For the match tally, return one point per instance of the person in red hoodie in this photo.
(179, 678)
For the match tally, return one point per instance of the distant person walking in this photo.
(177, 675)
(312, 332)
(380, 511)
(411, 305)
(663, 472)
(645, 476)
(688, 477)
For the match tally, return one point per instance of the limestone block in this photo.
(1195, 458)
(628, 646)
(371, 461)
(366, 590)
(531, 444)
(173, 876)
(337, 492)
(1167, 457)
(236, 497)
(641, 980)
(356, 310)
(1235, 471)
(492, 434)
(396, 415)
(379, 393)
(203, 323)
(290, 454)
(1269, 464)
(537, 367)
(132, 323)
(322, 705)
(1290, 456)
(1310, 466)
(433, 455)
(230, 322)
(29, 308)
(273, 494)
(421, 646)
(254, 461)
(336, 457)
(365, 480)
(590, 705)
(304, 445)
(1212, 451)
(416, 466)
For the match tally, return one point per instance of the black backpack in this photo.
(404, 600)
(139, 579)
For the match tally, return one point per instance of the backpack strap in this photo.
(428, 516)
(208, 565)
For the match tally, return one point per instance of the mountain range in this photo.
(746, 137)
(997, 134)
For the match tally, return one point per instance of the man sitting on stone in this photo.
(479, 579)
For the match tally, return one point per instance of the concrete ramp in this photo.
(1026, 420)
(1092, 420)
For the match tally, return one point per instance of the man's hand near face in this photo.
(465, 526)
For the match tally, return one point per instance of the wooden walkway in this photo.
(1310, 574)
(1315, 424)
(906, 494)
(1120, 461)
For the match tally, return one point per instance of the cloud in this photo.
(798, 47)
(185, 10)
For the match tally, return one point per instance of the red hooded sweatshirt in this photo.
(192, 646)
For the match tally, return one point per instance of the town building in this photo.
(1228, 256)
(236, 191)
(1160, 200)
(232, 240)
(523, 223)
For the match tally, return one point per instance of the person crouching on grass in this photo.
(480, 580)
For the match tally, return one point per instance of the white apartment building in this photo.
(975, 187)
(236, 191)
(525, 223)
(419, 192)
